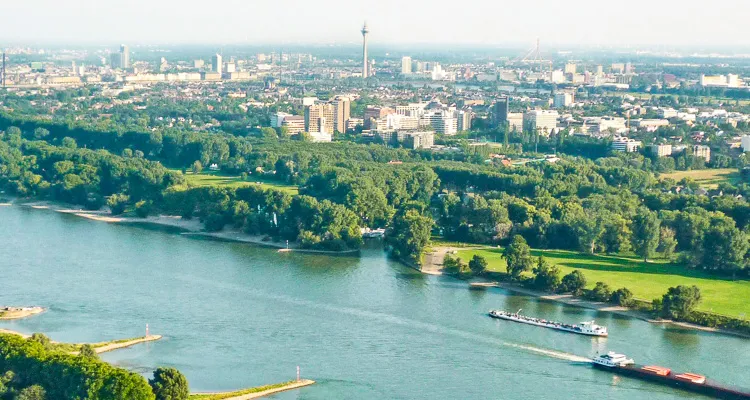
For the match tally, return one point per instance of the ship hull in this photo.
(549, 326)
(709, 388)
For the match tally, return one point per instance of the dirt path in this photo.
(115, 346)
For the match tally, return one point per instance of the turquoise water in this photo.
(236, 315)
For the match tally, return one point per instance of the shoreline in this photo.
(189, 226)
(99, 347)
(436, 269)
(13, 313)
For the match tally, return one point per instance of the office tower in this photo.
(365, 64)
(406, 65)
(500, 111)
(342, 112)
(115, 60)
(125, 54)
(216, 63)
(319, 118)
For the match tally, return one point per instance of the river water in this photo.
(237, 315)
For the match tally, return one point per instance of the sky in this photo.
(483, 22)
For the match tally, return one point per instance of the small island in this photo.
(7, 313)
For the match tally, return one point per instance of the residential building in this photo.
(373, 112)
(442, 121)
(622, 143)
(557, 76)
(294, 123)
(319, 118)
(411, 140)
(405, 65)
(463, 118)
(702, 151)
(542, 121)
(661, 150)
(321, 137)
(217, 64)
(412, 110)
(278, 118)
(342, 107)
(395, 122)
(650, 124)
(125, 57)
(515, 122)
(563, 99)
(745, 143)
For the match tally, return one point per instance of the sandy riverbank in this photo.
(7, 313)
(290, 386)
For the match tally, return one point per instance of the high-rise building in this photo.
(500, 111)
(231, 67)
(198, 63)
(464, 120)
(342, 107)
(599, 70)
(373, 113)
(570, 68)
(216, 63)
(115, 60)
(125, 60)
(405, 65)
(443, 121)
(319, 118)
(365, 64)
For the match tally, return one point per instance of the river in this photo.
(236, 315)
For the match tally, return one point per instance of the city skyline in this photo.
(577, 22)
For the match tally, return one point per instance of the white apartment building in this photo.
(442, 121)
(563, 99)
(405, 65)
(622, 143)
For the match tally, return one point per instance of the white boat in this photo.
(584, 328)
(612, 360)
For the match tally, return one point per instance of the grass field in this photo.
(218, 179)
(708, 178)
(647, 281)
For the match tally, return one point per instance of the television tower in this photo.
(365, 64)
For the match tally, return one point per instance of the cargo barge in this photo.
(620, 364)
(584, 328)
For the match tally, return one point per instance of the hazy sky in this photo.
(587, 22)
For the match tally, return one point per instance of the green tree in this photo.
(197, 167)
(41, 339)
(724, 248)
(88, 351)
(40, 133)
(622, 296)
(546, 277)
(34, 392)
(169, 384)
(409, 234)
(667, 243)
(680, 301)
(518, 257)
(645, 237)
(268, 133)
(574, 282)
(478, 264)
(143, 208)
(117, 203)
(600, 292)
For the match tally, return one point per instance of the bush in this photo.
(143, 208)
(622, 296)
(600, 292)
(547, 277)
(117, 203)
(478, 264)
(573, 282)
(680, 301)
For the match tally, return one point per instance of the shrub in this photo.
(600, 292)
(622, 296)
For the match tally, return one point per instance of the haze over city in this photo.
(575, 22)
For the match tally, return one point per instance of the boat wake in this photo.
(395, 320)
